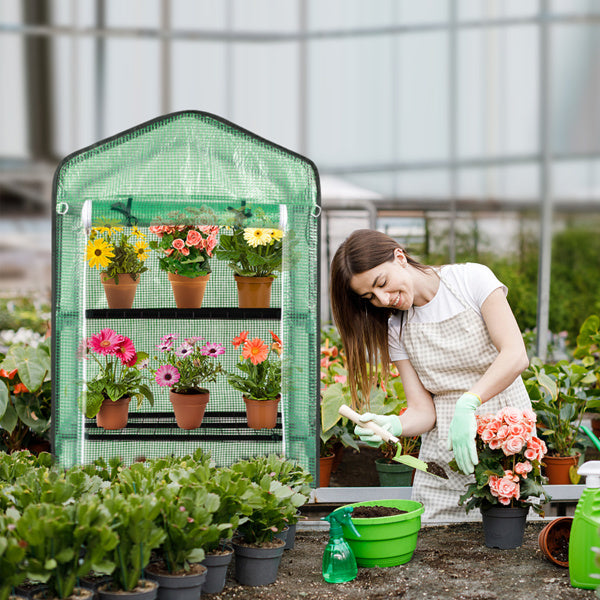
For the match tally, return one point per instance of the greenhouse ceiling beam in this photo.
(460, 163)
(279, 37)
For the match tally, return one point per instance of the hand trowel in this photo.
(386, 436)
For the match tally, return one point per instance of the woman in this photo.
(454, 340)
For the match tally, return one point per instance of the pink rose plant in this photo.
(509, 468)
(186, 243)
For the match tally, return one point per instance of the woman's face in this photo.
(388, 285)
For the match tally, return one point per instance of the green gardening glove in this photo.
(390, 423)
(463, 429)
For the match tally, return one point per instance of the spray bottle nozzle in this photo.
(341, 516)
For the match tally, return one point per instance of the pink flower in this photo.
(178, 244)
(536, 449)
(105, 342)
(166, 375)
(126, 352)
(185, 251)
(522, 468)
(193, 238)
(169, 251)
(340, 378)
(502, 432)
(184, 349)
(512, 445)
(210, 243)
(504, 488)
(212, 350)
(487, 435)
(511, 415)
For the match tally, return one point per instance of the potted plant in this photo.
(120, 257)
(66, 541)
(185, 244)
(260, 382)
(120, 377)
(560, 395)
(588, 351)
(12, 554)
(508, 478)
(257, 550)
(287, 472)
(25, 394)
(253, 250)
(185, 368)
(135, 521)
(186, 511)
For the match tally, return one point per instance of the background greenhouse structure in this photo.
(467, 129)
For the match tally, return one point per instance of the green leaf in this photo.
(4, 398)
(10, 419)
(332, 398)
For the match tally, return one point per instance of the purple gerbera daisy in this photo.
(164, 346)
(184, 350)
(212, 350)
(167, 375)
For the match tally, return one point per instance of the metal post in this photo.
(546, 200)
(165, 57)
(452, 125)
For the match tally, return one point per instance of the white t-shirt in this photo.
(472, 281)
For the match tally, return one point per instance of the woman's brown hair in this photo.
(362, 327)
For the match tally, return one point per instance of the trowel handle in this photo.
(384, 434)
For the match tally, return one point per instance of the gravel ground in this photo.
(450, 562)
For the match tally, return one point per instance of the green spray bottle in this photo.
(339, 564)
(585, 537)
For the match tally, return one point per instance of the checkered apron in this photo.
(449, 357)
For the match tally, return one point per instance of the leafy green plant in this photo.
(66, 541)
(12, 554)
(25, 394)
(186, 516)
(135, 521)
(560, 394)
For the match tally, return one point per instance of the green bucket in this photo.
(386, 541)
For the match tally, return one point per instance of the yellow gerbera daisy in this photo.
(276, 234)
(136, 231)
(141, 250)
(98, 253)
(257, 236)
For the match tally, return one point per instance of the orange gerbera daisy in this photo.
(256, 350)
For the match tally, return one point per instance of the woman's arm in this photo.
(420, 415)
(505, 334)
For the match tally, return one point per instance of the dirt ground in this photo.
(451, 562)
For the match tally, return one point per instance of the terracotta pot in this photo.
(254, 292)
(261, 414)
(556, 468)
(325, 468)
(188, 291)
(113, 415)
(120, 295)
(189, 408)
(554, 540)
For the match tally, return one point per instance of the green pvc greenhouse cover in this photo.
(185, 163)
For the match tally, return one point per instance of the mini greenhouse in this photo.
(181, 163)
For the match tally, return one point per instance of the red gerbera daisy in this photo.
(275, 338)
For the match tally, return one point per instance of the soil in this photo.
(372, 512)
(450, 562)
